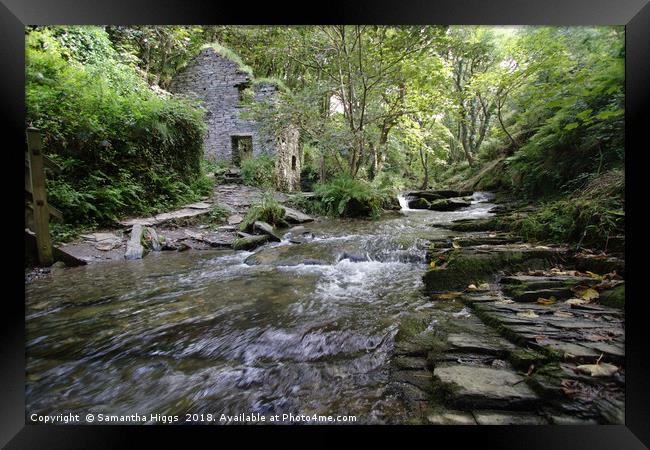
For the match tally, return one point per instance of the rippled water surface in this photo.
(291, 328)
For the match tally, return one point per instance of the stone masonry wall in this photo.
(215, 80)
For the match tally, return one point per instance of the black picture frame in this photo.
(634, 14)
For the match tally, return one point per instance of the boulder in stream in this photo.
(294, 216)
(267, 229)
(249, 242)
(419, 203)
(448, 204)
(134, 248)
(151, 239)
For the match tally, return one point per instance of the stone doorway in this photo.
(242, 148)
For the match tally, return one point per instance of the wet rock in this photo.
(391, 203)
(427, 195)
(291, 255)
(533, 296)
(474, 265)
(267, 229)
(570, 351)
(466, 342)
(448, 204)
(150, 238)
(451, 418)
(353, 258)
(249, 242)
(484, 387)
(294, 216)
(558, 419)
(599, 264)
(419, 203)
(422, 379)
(410, 363)
(438, 194)
(507, 418)
(134, 248)
(490, 224)
(530, 282)
(614, 298)
(473, 241)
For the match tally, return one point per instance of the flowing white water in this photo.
(289, 328)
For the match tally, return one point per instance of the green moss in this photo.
(230, 55)
(614, 298)
(522, 358)
(468, 268)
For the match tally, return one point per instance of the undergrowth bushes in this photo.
(259, 171)
(589, 218)
(347, 197)
(123, 148)
(268, 210)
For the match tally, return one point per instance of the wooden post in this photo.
(39, 196)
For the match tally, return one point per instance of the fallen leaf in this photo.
(546, 301)
(575, 301)
(562, 314)
(598, 370)
(594, 275)
(471, 287)
(527, 313)
(432, 265)
(483, 286)
(455, 244)
(585, 293)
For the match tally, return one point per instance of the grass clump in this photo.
(230, 55)
(217, 215)
(348, 197)
(587, 218)
(259, 171)
(267, 210)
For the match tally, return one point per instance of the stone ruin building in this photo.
(227, 89)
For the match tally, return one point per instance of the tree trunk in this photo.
(424, 159)
(503, 127)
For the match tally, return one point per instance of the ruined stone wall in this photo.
(215, 80)
(287, 162)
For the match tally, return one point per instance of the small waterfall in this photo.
(482, 197)
(403, 202)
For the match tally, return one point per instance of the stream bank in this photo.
(348, 321)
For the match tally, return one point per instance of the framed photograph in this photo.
(366, 218)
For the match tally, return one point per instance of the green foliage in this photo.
(218, 214)
(64, 232)
(589, 217)
(267, 210)
(229, 54)
(123, 149)
(347, 197)
(259, 171)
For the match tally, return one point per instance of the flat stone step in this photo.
(508, 418)
(476, 343)
(451, 418)
(471, 387)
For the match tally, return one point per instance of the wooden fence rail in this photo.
(37, 211)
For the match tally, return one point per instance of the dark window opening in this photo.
(242, 149)
(245, 93)
(293, 163)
